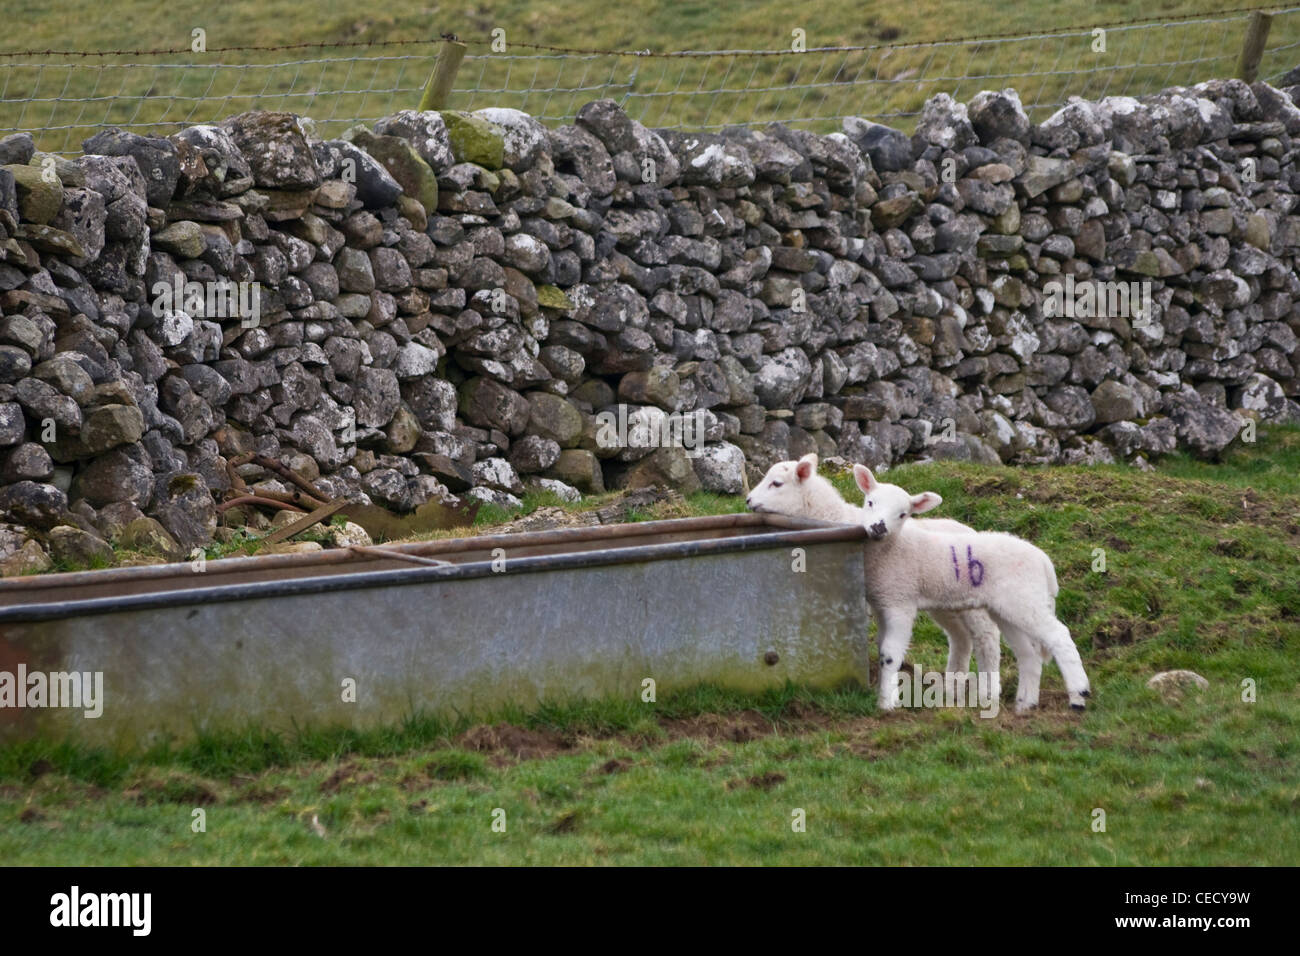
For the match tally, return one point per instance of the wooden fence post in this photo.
(438, 89)
(1253, 50)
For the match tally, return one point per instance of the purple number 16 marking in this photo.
(974, 567)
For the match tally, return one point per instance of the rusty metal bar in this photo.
(376, 552)
(302, 524)
(224, 506)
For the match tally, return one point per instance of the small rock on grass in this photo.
(348, 535)
(1173, 683)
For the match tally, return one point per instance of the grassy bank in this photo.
(901, 67)
(1202, 571)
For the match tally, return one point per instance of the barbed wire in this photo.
(63, 96)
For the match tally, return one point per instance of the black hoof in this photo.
(1076, 707)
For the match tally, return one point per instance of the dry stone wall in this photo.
(453, 304)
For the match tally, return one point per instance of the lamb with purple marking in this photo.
(1011, 579)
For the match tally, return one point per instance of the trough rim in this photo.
(789, 531)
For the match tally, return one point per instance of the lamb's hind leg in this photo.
(1029, 666)
(1056, 636)
(895, 626)
(959, 639)
(1047, 632)
(988, 649)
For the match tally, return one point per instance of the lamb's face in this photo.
(781, 492)
(885, 507)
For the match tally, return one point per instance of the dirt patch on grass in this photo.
(172, 787)
(521, 743)
(802, 710)
(865, 737)
(564, 823)
(348, 775)
(1114, 632)
(263, 793)
(870, 750)
(1052, 720)
(992, 486)
(737, 728)
(761, 781)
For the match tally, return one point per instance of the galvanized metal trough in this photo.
(463, 625)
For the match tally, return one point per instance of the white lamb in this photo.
(909, 569)
(794, 488)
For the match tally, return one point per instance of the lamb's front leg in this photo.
(895, 634)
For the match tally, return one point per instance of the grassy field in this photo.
(69, 96)
(1202, 572)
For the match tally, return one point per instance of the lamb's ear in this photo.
(807, 466)
(863, 476)
(925, 501)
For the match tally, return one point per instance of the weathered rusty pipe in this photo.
(265, 502)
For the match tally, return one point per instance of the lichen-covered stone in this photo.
(405, 164)
(40, 194)
(275, 149)
(474, 139)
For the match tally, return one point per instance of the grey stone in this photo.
(783, 378)
(533, 454)
(889, 149)
(17, 148)
(275, 148)
(996, 115)
(156, 158)
(489, 404)
(426, 131)
(1205, 429)
(377, 396)
(27, 462)
(720, 468)
(34, 504)
(1116, 402)
(118, 476)
(75, 548)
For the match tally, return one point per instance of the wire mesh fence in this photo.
(63, 97)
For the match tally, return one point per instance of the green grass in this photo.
(70, 95)
(1202, 572)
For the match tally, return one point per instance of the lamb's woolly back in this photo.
(911, 562)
